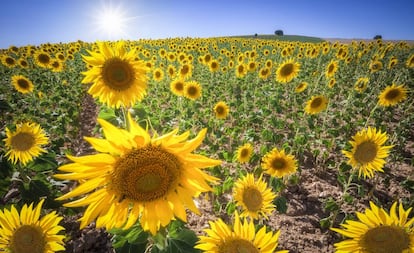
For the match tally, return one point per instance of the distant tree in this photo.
(255, 35)
(377, 37)
(279, 32)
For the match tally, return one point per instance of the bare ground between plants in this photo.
(301, 231)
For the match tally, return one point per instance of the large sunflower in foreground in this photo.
(242, 237)
(26, 232)
(136, 177)
(392, 95)
(254, 197)
(278, 164)
(288, 70)
(378, 231)
(24, 143)
(368, 151)
(22, 84)
(316, 104)
(117, 77)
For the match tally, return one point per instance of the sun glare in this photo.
(112, 22)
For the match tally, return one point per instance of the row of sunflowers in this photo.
(254, 111)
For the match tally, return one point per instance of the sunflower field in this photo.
(215, 145)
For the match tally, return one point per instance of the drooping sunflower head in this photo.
(117, 77)
(22, 84)
(254, 197)
(392, 95)
(368, 151)
(331, 83)
(192, 90)
(171, 71)
(361, 84)
(25, 142)
(278, 164)
(27, 232)
(221, 110)
(378, 231)
(177, 87)
(244, 153)
(242, 237)
(301, 87)
(138, 177)
(287, 71)
(316, 104)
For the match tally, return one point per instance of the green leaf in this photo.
(281, 204)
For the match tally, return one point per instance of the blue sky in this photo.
(33, 22)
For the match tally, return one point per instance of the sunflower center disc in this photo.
(117, 74)
(316, 102)
(392, 94)
(365, 152)
(28, 238)
(192, 91)
(238, 246)
(386, 239)
(252, 198)
(23, 83)
(278, 163)
(287, 70)
(244, 153)
(22, 141)
(220, 110)
(43, 58)
(146, 174)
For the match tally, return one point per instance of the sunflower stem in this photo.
(370, 114)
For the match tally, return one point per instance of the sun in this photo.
(112, 21)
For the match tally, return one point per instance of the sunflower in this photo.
(331, 68)
(186, 71)
(192, 90)
(214, 66)
(136, 177)
(244, 153)
(368, 151)
(331, 83)
(42, 59)
(392, 95)
(378, 231)
(375, 66)
(22, 84)
(8, 61)
(117, 78)
(254, 197)
(251, 66)
(241, 70)
(56, 65)
(264, 73)
(392, 63)
(301, 87)
(242, 237)
(221, 110)
(361, 84)
(26, 232)
(24, 144)
(316, 104)
(171, 71)
(287, 71)
(158, 74)
(177, 87)
(278, 164)
(410, 61)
